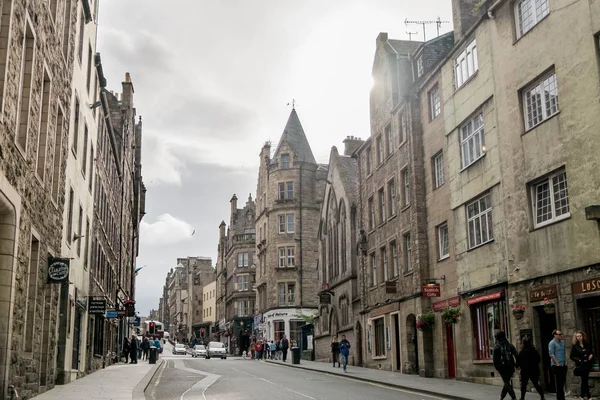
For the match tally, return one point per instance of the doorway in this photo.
(412, 364)
(450, 351)
(397, 342)
(359, 348)
(546, 324)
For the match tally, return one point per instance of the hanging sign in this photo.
(96, 306)
(451, 302)
(58, 269)
(431, 290)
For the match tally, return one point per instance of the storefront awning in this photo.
(485, 297)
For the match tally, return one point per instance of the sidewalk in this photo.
(117, 382)
(448, 388)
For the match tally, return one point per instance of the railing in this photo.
(244, 237)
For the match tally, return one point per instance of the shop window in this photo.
(278, 329)
(487, 318)
(591, 323)
(295, 330)
(379, 328)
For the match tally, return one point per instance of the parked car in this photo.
(179, 348)
(199, 350)
(216, 349)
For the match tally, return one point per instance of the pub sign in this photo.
(58, 269)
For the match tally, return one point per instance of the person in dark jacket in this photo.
(581, 354)
(285, 345)
(126, 349)
(133, 347)
(145, 348)
(335, 351)
(529, 362)
(505, 363)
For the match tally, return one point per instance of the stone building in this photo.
(37, 54)
(340, 297)
(209, 311)
(78, 215)
(288, 201)
(238, 273)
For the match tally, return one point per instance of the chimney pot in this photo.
(127, 77)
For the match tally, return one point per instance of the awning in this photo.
(485, 297)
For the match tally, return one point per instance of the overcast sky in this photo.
(212, 81)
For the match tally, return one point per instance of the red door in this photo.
(450, 350)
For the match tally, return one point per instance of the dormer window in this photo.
(285, 161)
(419, 66)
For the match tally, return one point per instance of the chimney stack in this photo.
(352, 144)
(233, 202)
(465, 14)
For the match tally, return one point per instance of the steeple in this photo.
(293, 135)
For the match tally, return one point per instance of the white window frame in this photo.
(286, 297)
(243, 283)
(438, 169)
(380, 151)
(472, 140)
(435, 102)
(406, 187)
(369, 157)
(553, 181)
(286, 190)
(389, 138)
(391, 186)
(382, 205)
(384, 262)
(374, 277)
(466, 64)
(371, 205)
(420, 68)
(536, 112)
(286, 223)
(287, 257)
(476, 215)
(285, 161)
(403, 127)
(538, 10)
(243, 260)
(378, 337)
(443, 241)
(394, 249)
(408, 253)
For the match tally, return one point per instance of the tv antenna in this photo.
(410, 35)
(438, 23)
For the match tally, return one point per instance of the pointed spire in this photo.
(293, 135)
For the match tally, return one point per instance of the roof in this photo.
(293, 135)
(404, 46)
(346, 167)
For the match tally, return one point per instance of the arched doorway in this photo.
(359, 343)
(333, 323)
(411, 366)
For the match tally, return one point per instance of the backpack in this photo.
(506, 356)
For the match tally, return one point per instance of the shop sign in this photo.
(589, 286)
(390, 287)
(451, 302)
(111, 314)
(543, 292)
(525, 333)
(58, 269)
(485, 297)
(431, 290)
(96, 306)
(324, 298)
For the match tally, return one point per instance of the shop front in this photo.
(587, 300)
(288, 321)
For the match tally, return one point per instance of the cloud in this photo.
(165, 231)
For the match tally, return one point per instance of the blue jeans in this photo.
(345, 358)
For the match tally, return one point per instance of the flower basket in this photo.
(425, 320)
(518, 311)
(549, 306)
(451, 315)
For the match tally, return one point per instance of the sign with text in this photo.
(525, 333)
(485, 297)
(96, 306)
(324, 298)
(390, 287)
(451, 302)
(58, 269)
(111, 314)
(431, 290)
(543, 292)
(589, 286)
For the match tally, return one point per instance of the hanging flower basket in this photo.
(518, 311)
(451, 315)
(425, 320)
(549, 306)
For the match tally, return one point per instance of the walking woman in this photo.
(335, 351)
(581, 354)
(529, 361)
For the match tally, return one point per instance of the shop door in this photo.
(450, 351)
(397, 342)
(547, 323)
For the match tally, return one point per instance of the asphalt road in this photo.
(186, 378)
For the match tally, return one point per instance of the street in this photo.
(186, 378)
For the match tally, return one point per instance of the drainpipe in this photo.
(300, 234)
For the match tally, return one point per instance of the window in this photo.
(419, 67)
(403, 127)
(435, 104)
(382, 205)
(28, 59)
(243, 282)
(466, 64)
(286, 256)
(528, 13)
(389, 140)
(408, 253)
(394, 250)
(286, 190)
(480, 226)
(373, 270)
(438, 170)
(57, 154)
(243, 308)
(89, 71)
(285, 161)
(472, 140)
(384, 262)
(278, 329)
(242, 260)
(87, 243)
(392, 196)
(76, 128)
(369, 161)
(286, 223)
(295, 329)
(379, 144)
(405, 187)
(85, 150)
(287, 293)
(32, 285)
(443, 248)
(81, 31)
(550, 199)
(487, 319)
(540, 100)
(91, 177)
(69, 232)
(371, 213)
(378, 326)
(98, 330)
(42, 150)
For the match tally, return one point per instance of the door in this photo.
(397, 342)
(450, 351)
(76, 340)
(547, 323)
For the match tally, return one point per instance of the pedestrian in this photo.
(258, 348)
(139, 348)
(285, 345)
(335, 351)
(272, 350)
(558, 358)
(505, 363)
(265, 349)
(345, 350)
(133, 350)
(252, 349)
(145, 348)
(157, 345)
(529, 362)
(126, 349)
(279, 353)
(582, 355)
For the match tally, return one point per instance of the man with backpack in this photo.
(505, 363)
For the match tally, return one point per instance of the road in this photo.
(186, 378)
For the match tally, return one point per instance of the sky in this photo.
(213, 80)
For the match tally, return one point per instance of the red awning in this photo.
(485, 297)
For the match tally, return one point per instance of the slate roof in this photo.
(404, 46)
(346, 167)
(294, 136)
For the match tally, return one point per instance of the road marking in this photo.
(274, 384)
(163, 367)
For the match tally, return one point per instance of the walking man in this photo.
(335, 351)
(345, 349)
(126, 349)
(505, 363)
(133, 348)
(285, 345)
(558, 358)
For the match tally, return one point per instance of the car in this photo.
(179, 348)
(199, 350)
(216, 349)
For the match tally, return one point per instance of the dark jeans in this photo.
(284, 354)
(526, 376)
(336, 358)
(560, 374)
(506, 377)
(585, 385)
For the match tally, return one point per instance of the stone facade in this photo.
(288, 201)
(199, 272)
(209, 310)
